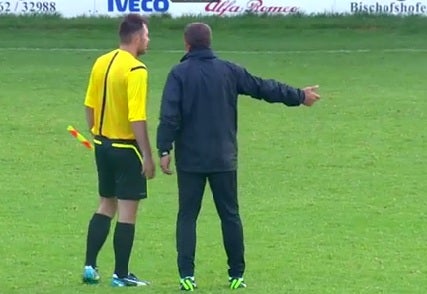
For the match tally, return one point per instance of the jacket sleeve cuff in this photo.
(302, 96)
(163, 153)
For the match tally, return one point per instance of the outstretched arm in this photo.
(273, 91)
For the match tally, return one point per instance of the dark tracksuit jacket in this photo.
(199, 110)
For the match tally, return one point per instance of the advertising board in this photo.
(176, 8)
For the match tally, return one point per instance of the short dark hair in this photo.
(131, 24)
(198, 35)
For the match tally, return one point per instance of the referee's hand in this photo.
(148, 168)
(311, 95)
(165, 162)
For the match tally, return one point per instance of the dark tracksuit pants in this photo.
(224, 189)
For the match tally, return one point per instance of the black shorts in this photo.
(119, 165)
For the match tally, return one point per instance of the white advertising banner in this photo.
(176, 8)
(219, 7)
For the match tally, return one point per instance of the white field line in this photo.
(332, 51)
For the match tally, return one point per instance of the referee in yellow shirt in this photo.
(116, 102)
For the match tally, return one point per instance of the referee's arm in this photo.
(137, 105)
(170, 115)
(90, 102)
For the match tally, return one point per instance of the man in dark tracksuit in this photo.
(199, 116)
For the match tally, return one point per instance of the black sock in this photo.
(99, 227)
(123, 242)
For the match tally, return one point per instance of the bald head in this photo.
(198, 35)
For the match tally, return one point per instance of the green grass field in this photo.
(333, 197)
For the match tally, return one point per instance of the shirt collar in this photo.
(205, 53)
